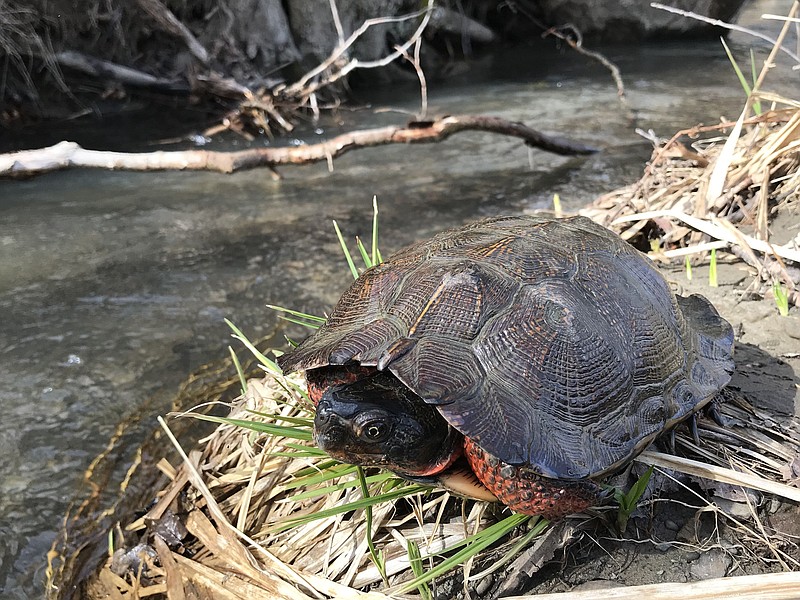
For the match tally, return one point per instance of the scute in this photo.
(551, 344)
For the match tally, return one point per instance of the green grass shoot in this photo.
(628, 501)
(374, 553)
(472, 546)
(269, 364)
(781, 299)
(557, 206)
(346, 250)
(376, 253)
(239, 371)
(687, 267)
(712, 269)
(415, 560)
(301, 318)
(742, 80)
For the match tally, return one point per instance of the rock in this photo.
(691, 556)
(737, 510)
(483, 586)
(672, 525)
(710, 565)
(663, 546)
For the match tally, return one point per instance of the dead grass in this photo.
(674, 212)
(223, 524)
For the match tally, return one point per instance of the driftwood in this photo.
(69, 154)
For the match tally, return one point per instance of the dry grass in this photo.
(676, 208)
(223, 525)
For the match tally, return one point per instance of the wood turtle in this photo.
(548, 352)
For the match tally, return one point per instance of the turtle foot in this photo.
(525, 492)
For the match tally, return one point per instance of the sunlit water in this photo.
(114, 286)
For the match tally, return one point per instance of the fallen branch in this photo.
(69, 154)
(96, 67)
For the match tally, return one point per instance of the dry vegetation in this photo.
(232, 520)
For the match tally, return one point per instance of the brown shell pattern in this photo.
(551, 344)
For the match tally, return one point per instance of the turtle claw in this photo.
(711, 410)
(693, 429)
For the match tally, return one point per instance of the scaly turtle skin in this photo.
(549, 353)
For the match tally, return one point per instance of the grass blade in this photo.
(756, 103)
(239, 371)
(270, 365)
(474, 544)
(346, 251)
(712, 269)
(297, 313)
(377, 557)
(297, 433)
(408, 490)
(376, 253)
(364, 256)
(415, 560)
(739, 74)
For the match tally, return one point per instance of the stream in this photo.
(114, 285)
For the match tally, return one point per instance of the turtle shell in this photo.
(551, 344)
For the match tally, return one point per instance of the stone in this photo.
(710, 565)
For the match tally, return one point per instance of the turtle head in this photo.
(377, 421)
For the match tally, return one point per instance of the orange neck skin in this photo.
(444, 464)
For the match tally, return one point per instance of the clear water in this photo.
(114, 286)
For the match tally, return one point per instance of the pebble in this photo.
(738, 510)
(672, 525)
(690, 556)
(663, 546)
(710, 565)
(483, 586)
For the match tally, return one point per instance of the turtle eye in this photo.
(375, 431)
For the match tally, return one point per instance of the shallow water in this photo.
(114, 286)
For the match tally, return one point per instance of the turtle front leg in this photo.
(528, 493)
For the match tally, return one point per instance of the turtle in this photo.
(545, 353)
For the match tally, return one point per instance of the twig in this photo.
(170, 24)
(337, 22)
(69, 154)
(721, 474)
(103, 68)
(423, 85)
(714, 230)
(724, 25)
(578, 46)
(304, 87)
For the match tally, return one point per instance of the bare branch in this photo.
(97, 67)
(169, 23)
(303, 87)
(724, 25)
(69, 154)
